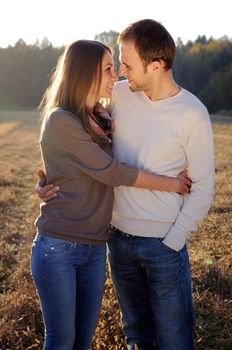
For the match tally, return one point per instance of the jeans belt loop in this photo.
(128, 235)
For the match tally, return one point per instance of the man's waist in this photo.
(125, 234)
(141, 228)
(144, 205)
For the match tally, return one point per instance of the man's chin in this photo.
(133, 88)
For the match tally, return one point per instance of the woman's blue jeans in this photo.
(69, 278)
(153, 286)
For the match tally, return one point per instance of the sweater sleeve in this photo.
(198, 146)
(63, 136)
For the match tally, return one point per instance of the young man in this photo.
(159, 127)
(162, 128)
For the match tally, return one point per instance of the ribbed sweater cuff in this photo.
(175, 239)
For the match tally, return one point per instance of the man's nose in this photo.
(121, 71)
(115, 77)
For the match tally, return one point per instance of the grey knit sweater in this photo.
(86, 174)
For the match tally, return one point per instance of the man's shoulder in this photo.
(192, 100)
(195, 110)
(120, 93)
(121, 85)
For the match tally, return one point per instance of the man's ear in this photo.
(157, 65)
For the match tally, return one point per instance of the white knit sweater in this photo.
(162, 137)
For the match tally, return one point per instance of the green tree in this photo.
(217, 95)
(25, 73)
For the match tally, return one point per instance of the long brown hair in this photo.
(78, 68)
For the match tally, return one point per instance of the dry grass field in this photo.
(210, 249)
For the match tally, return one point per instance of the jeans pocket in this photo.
(164, 246)
(53, 245)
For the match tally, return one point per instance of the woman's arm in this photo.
(181, 184)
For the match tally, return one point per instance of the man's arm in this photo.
(45, 192)
(200, 157)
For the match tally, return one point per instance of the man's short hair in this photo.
(152, 41)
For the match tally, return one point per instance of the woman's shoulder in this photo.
(60, 122)
(60, 114)
(60, 117)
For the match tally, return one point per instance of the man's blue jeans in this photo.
(153, 286)
(69, 278)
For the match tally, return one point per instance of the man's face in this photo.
(132, 67)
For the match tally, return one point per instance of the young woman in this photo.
(69, 250)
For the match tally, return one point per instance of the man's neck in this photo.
(164, 87)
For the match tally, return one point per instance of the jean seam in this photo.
(53, 316)
(185, 297)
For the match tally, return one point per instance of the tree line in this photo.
(203, 66)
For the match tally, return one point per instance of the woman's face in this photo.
(109, 77)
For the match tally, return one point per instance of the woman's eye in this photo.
(110, 71)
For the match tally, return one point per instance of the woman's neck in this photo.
(90, 102)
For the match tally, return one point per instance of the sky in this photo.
(64, 21)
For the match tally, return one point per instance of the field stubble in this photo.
(210, 249)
